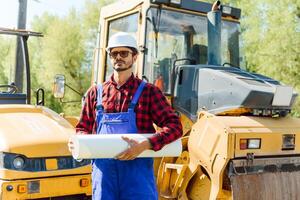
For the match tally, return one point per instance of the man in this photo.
(126, 104)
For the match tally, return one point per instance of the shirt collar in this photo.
(129, 82)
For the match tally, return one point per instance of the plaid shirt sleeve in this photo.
(163, 116)
(87, 117)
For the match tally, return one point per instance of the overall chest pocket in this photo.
(114, 121)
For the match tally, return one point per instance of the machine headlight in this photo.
(18, 162)
(22, 163)
(15, 162)
(250, 143)
(253, 143)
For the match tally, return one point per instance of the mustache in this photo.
(119, 61)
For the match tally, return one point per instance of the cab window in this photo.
(172, 35)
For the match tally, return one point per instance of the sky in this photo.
(9, 10)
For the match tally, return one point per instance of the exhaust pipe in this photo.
(214, 35)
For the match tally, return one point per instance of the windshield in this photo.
(12, 79)
(175, 35)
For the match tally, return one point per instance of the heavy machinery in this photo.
(34, 159)
(239, 142)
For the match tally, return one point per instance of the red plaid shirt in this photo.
(152, 107)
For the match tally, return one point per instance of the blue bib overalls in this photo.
(115, 179)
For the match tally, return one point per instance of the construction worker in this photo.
(126, 104)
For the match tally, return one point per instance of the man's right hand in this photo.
(135, 149)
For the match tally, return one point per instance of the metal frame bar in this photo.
(19, 32)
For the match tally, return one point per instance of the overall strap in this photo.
(99, 97)
(137, 95)
(99, 108)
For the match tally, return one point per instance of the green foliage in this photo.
(59, 52)
(91, 15)
(5, 53)
(296, 111)
(67, 48)
(90, 18)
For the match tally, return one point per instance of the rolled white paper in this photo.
(110, 145)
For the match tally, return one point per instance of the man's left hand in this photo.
(135, 149)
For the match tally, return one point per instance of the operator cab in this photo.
(180, 28)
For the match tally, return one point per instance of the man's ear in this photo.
(135, 57)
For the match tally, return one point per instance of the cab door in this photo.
(129, 22)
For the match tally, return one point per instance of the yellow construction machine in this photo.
(34, 159)
(238, 142)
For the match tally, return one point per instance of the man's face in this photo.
(122, 58)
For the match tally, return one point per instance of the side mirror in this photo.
(59, 86)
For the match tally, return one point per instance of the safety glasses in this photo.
(123, 54)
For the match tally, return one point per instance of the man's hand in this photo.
(135, 149)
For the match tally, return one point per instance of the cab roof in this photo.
(123, 6)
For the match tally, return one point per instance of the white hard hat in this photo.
(121, 39)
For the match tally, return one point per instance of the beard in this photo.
(118, 64)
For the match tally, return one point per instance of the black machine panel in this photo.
(6, 98)
(222, 89)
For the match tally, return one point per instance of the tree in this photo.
(67, 48)
(6, 61)
(90, 17)
(61, 51)
(272, 40)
